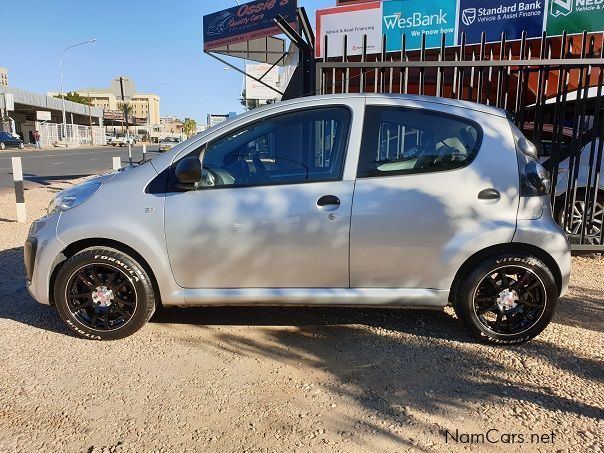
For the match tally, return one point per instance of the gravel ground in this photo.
(276, 379)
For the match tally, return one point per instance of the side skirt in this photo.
(386, 297)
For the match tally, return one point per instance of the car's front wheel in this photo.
(103, 294)
(508, 298)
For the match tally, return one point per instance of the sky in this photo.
(152, 42)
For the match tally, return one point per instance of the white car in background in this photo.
(168, 143)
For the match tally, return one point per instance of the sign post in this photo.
(126, 118)
(19, 191)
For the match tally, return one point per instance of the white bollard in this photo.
(19, 192)
(117, 163)
(144, 153)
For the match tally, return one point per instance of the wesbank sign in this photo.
(416, 17)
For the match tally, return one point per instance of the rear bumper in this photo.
(547, 235)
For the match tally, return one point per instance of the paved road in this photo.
(43, 167)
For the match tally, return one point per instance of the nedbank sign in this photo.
(495, 17)
(416, 17)
(574, 16)
(433, 18)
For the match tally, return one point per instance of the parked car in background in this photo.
(574, 226)
(168, 143)
(9, 140)
(122, 140)
(341, 200)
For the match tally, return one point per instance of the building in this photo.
(33, 111)
(3, 77)
(171, 125)
(145, 106)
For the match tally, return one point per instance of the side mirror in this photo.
(188, 173)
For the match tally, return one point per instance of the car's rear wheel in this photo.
(103, 294)
(507, 298)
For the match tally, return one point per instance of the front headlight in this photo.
(73, 197)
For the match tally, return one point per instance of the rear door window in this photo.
(399, 141)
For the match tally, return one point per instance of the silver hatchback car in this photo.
(342, 200)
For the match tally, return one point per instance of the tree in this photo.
(127, 107)
(189, 126)
(75, 97)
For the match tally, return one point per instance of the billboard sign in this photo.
(246, 22)
(256, 90)
(42, 115)
(414, 18)
(497, 16)
(354, 21)
(574, 16)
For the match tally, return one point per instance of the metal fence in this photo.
(74, 134)
(551, 88)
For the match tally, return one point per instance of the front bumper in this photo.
(42, 249)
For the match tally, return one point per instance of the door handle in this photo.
(489, 194)
(328, 203)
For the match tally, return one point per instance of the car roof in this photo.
(411, 97)
(385, 96)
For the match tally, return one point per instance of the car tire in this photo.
(508, 298)
(2, 145)
(104, 294)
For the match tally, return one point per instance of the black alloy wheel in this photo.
(509, 300)
(506, 298)
(101, 297)
(104, 294)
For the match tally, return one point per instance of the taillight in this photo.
(534, 178)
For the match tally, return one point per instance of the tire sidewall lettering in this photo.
(137, 276)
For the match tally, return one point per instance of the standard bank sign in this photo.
(416, 17)
(495, 17)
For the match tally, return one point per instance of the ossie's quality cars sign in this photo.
(246, 22)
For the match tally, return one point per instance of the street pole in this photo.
(61, 71)
(126, 118)
(149, 108)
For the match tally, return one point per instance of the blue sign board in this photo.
(414, 17)
(246, 22)
(497, 16)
